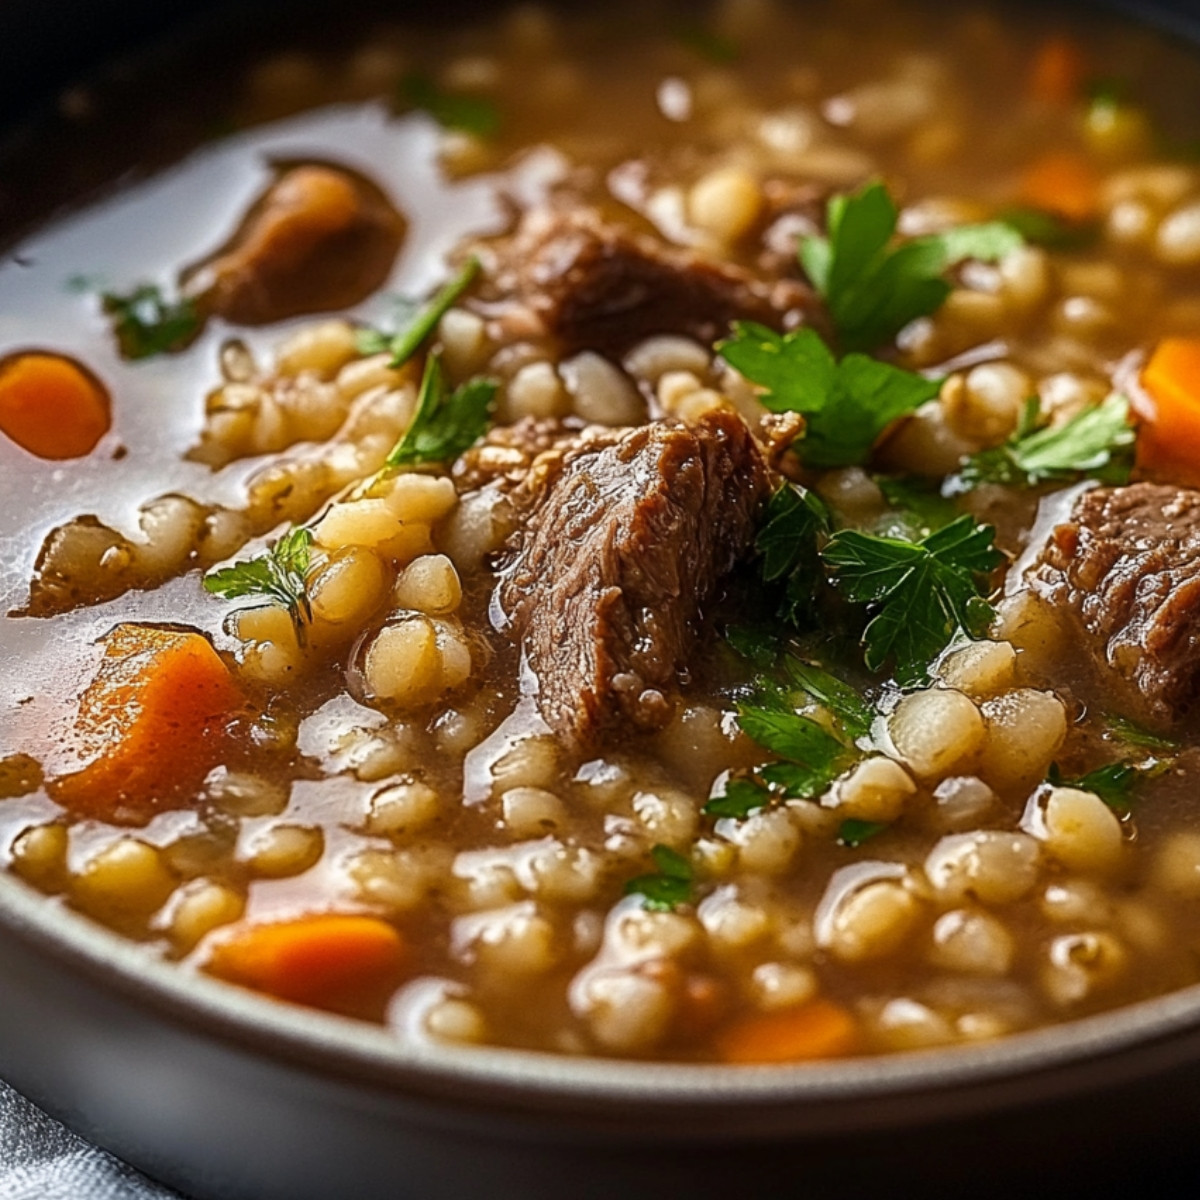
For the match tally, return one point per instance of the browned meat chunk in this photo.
(593, 286)
(1127, 567)
(628, 535)
(320, 238)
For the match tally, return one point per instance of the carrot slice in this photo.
(150, 725)
(52, 406)
(1169, 438)
(1058, 71)
(1062, 182)
(818, 1029)
(322, 960)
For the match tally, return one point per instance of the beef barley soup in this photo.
(665, 535)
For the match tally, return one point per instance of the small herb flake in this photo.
(874, 288)
(278, 575)
(921, 509)
(476, 115)
(446, 423)
(1096, 443)
(670, 886)
(418, 321)
(854, 833)
(146, 323)
(919, 594)
(1134, 735)
(1114, 784)
(837, 697)
(740, 798)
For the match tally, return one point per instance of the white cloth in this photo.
(42, 1160)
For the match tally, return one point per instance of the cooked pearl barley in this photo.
(767, 841)
(281, 851)
(271, 654)
(669, 816)
(992, 866)
(602, 392)
(972, 942)
(242, 794)
(925, 444)
(366, 374)
(906, 1024)
(776, 986)
(421, 499)
(1032, 627)
(323, 348)
(347, 590)
(464, 341)
(1177, 242)
(936, 732)
(416, 660)
(875, 790)
(871, 922)
(1025, 277)
(397, 881)
(201, 907)
(532, 762)
(1081, 964)
(171, 525)
(725, 203)
(128, 878)
(1075, 902)
(980, 670)
(429, 584)
(651, 360)
(372, 523)
(1176, 868)
(637, 934)
(403, 809)
(39, 856)
(516, 940)
(961, 802)
(730, 922)
(536, 391)
(1081, 831)
(1025, 729)
(455, 1020)
(990, 402)
(531, 811)
(624, 1011)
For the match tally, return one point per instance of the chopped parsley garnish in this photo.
(846, 405)
(278, 575)
(146, 323)
(1114, 784)
(1042, 228)
(759, 646)
(873, 289)
(418, 321)
(831, 693)
(1134, 735)
(446, 423)
(920, 594)
(707, 44)
(788, 541)
(669, 886)
(1097, 442)
(740, 798)
(451, 110)
(854, 833)
(922, 508)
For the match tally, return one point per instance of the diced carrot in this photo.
(1059, 69)
(1064, 183)
(817, 1029)
(150, 725)
(52, 406)
(1169, 438)
(322, 960)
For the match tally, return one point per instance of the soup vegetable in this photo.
(660, 537)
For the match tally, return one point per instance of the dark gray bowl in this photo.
(227, 1095)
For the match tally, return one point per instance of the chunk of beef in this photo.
(594, 286)
(320, 238)
(627, 536)
(506, 453)
(1127, 567)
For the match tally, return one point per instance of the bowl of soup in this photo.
(605, 596)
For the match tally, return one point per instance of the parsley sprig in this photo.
(446, 423)
(919, 594)
(1116, 783)
(420, 321)
(794, 525)
(1097, 442)
(279, 575)
(146, 323)
(874, 288)
(846, 405)
(669, 886)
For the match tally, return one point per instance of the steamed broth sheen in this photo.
(500, 856)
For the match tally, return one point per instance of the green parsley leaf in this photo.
(740, 798)
(788, 539)
(146, 323)
(922, 507)
(846, 405)
(1097, 442)
(920, 594)
(853, 833)
(1134, 735)
(670, 886)
(452, 110)
(813, 756)
(874, 289)
(707, 44)
(418, 321)
(278, 575)
(1042, 228)
(831, 693)
(1114, 784)
(445, 423)
(758, 646)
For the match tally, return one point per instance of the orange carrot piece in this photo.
(323, 959)
(150, 725)
(1169, 437)
(1058, 72)
(818, 1029)
(52, 406)
(1062, 182)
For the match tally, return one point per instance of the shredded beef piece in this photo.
(595, 286)
(627, 535)
(1127, 567)
(506, 453)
